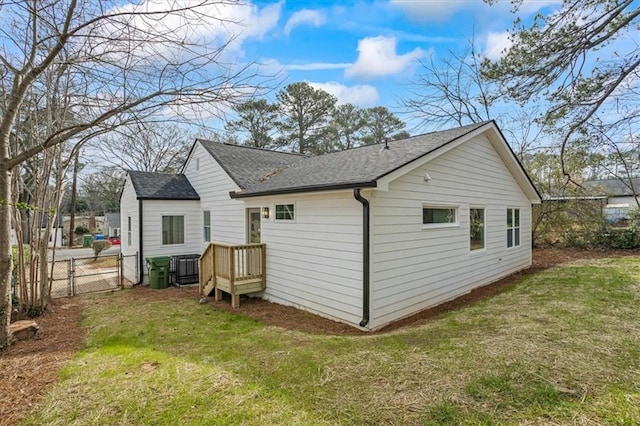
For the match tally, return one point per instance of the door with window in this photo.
(253, 225)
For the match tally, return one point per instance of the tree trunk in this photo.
(5, 255)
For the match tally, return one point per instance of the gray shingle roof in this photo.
(161, 186)
(354, 167)
(247, 165)
(612, 187)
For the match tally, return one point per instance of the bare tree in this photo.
(583, 60)
(454, 92)
(149, 147)
(121, 64)
(450, 91)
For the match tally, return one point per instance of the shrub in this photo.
(81, 230)
(622, 238)
(99, 246)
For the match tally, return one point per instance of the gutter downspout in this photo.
(365, 256)
(140, 242)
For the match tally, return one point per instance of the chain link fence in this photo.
(89, 275)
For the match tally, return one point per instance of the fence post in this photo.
(72, 276)
(119, 262)
(69, 280)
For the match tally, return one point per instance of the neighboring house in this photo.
(95, 224)
(55, 235)
(365, 236)
(622, 196)
(112, 224)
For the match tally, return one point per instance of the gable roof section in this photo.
(245, 165)
(613, 187)
(357, 167)
(367, 166)
(162, 186)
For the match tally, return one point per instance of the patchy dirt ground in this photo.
(28, 368)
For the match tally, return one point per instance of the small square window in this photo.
(285, 211)
(172, 230)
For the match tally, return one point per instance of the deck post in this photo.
(232, 273)
(214, 272)
(263, 269)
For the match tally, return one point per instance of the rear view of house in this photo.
(369, 235)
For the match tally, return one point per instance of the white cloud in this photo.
(206, 24)
(496, 46)
(378, 57)
(304, 17)
(362, 95)
(318, 66)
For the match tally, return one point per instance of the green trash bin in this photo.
(87, 239)
(158, 271)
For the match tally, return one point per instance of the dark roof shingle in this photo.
(247, 165)
(612, 186)
(354, 167)
(161, 186)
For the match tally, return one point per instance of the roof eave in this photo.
(301, 189)
(168, 198)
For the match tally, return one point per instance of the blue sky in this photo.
(366, 52)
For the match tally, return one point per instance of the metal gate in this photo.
(86, 275)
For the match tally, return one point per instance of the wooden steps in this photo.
(234, 269)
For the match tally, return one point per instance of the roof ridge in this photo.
(253, 147)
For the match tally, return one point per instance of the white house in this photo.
(365, 236)
(621, 196)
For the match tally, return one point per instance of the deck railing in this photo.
(234, 269)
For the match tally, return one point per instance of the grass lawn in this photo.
(560, 347)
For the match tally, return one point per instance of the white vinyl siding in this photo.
(129, 214)
(153, 213)
(415, 268)
(315, 262)
(213, 185)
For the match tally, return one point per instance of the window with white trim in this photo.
(129, 230)
(285, 212)
(436, 216)
(206, 228)
(513, 227)
(476, 228)
(172, 230)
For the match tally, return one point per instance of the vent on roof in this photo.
(386, 144)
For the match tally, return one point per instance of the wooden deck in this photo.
(234, 269)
